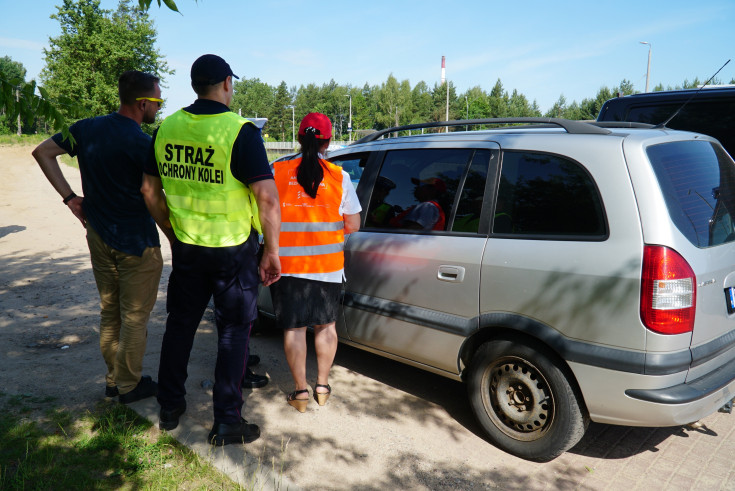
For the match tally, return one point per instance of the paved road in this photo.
(407, 407)
(387, 426)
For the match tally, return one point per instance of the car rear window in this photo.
(698, 182)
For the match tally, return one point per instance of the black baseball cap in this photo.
(210, 70)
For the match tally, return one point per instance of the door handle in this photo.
(451, 273)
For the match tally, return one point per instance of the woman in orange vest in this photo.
(319, 207)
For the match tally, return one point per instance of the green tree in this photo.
(145, 4)
(439, 102)
(94, 48)
(519, 107)
(393, 100)
(498, 101)
(558, 109)
(280, 119)
(19, 98)
(12, 70)
(253, 98)
(590, 108)
(336, 106)
(477, 104)
(421, 103)
(406, 102)
(365, 116)
(30, 102)
(625, 87)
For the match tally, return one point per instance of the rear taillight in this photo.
(668, 293)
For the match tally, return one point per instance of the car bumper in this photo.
(657, 400)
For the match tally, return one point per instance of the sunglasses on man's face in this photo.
(152, 99)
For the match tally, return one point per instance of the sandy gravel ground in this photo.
(387, 426)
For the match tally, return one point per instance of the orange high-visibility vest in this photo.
(312, 229)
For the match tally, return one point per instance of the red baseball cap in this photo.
(318, 124)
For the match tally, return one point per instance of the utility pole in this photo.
(349, 124)
(447, 118)
(444, 80)
(648, 68)
(17, 100)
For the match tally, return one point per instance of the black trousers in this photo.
(230, 274)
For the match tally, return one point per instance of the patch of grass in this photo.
(33, 140)
(109, 448)
(69, 160)
(22, 139)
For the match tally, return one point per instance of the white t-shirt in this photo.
(350, 205)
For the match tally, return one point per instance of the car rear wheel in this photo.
(523, 400)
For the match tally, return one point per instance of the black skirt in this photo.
(299, 302)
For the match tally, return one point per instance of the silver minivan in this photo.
(568, 272)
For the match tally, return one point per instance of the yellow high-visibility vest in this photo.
(208, 205)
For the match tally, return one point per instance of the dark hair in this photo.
(133, 83)
(310, 172)
(203, 89)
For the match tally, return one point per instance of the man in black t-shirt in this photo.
(122, 237)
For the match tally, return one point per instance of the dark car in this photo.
(711, 111)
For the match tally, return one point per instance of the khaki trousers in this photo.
(128, 286)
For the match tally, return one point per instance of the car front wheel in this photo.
(523, 400)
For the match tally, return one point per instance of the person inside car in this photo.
(380, 212)
(428, 214)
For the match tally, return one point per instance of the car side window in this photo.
(469, 208)
(547, 195)
(416, 189)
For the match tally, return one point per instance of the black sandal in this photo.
(299, 404)
(321, 397)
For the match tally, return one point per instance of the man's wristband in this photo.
(69, 198)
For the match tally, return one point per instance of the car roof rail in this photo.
(622, 124)
(571, 126)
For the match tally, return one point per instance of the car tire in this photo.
(524, 401)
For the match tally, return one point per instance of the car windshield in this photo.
(352, 167)
(698, 182)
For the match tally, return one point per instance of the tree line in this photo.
(82, 65)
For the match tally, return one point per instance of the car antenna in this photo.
(663, 125)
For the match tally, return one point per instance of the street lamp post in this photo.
(293, 126)
(447, 117)
(648, 68)
(349, 124)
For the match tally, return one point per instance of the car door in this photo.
(353, 164)
(413, 271)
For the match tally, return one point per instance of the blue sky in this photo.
(543, 49)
